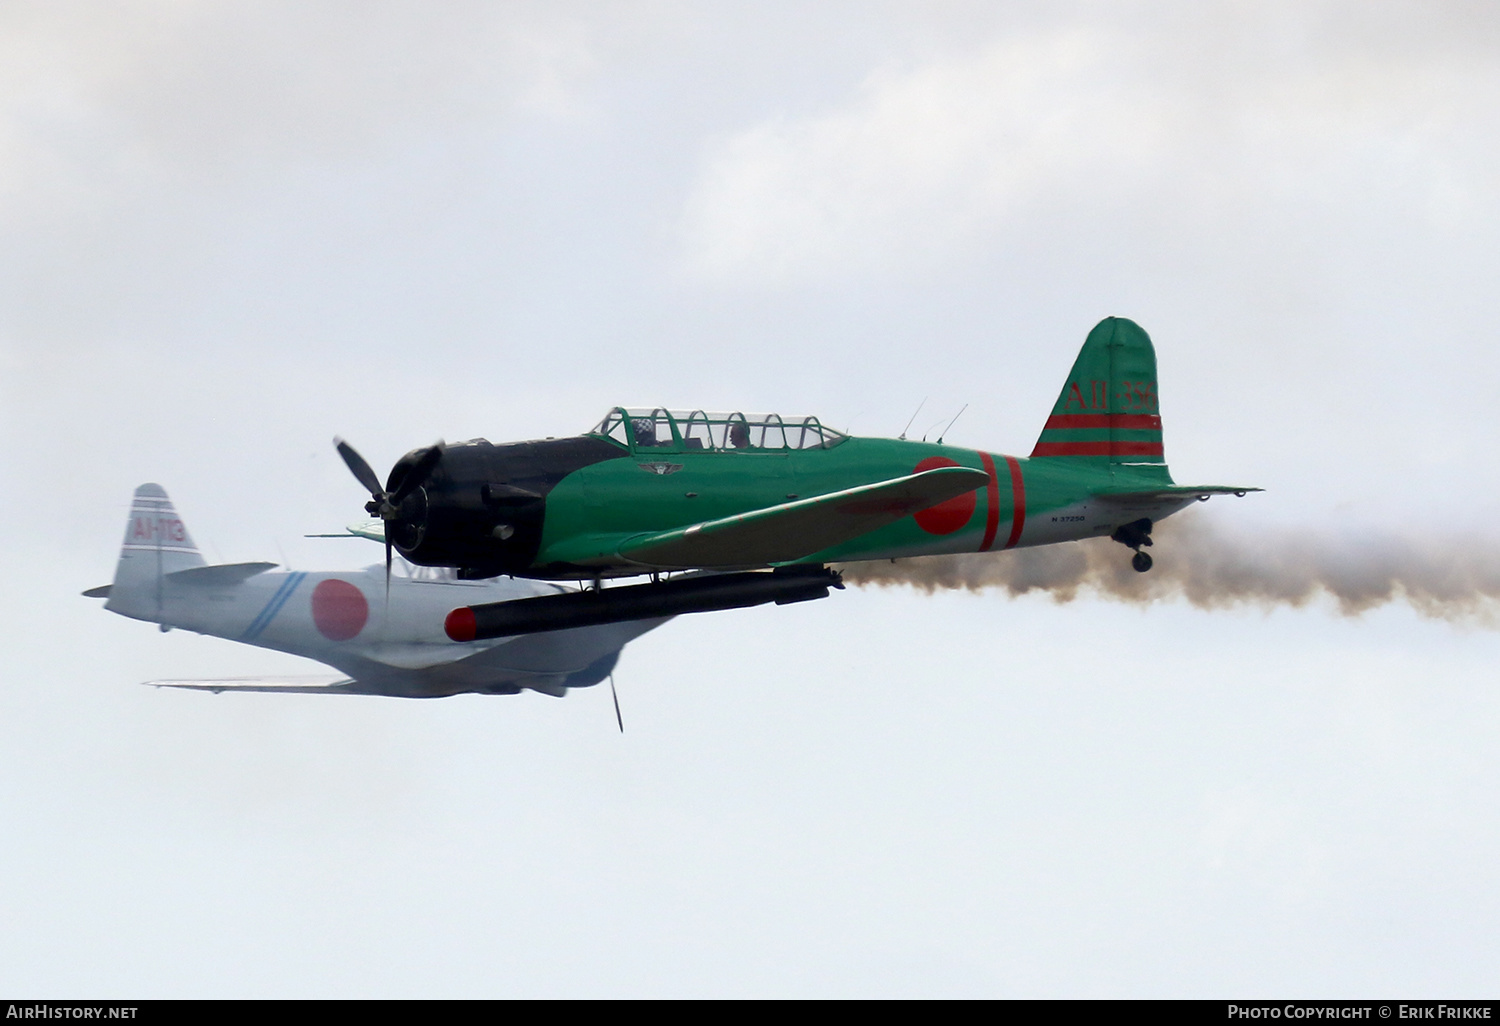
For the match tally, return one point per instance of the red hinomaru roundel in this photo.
(945, 517)
(339, 609)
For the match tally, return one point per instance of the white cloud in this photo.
(1186, 120)
(92, 95)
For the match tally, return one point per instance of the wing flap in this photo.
(792, 530)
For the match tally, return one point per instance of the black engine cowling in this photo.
(482, 507)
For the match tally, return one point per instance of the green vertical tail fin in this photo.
(1107, 413)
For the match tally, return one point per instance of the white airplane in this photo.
(394, 647)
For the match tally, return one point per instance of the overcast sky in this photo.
(229, 231)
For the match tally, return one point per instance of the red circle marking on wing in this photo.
(945, 517)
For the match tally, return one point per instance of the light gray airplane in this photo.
(395, 647)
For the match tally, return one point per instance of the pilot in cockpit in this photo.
(644, 430)
(739, 435)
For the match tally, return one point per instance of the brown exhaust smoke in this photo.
(1215, 567)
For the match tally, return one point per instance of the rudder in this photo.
(156, 544)
(1108, 412)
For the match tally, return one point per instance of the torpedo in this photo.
(698, 594)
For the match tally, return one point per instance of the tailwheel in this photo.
(1141, 561)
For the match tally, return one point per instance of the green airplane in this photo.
(731, 510)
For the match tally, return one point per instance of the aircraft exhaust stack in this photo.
(641, 602)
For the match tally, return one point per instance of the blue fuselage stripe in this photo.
(272, 607)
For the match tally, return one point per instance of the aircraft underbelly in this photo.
(1065, 523)
(1093, 518)
(554, 652)
(550, 662)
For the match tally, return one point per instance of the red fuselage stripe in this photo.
(1097, 449)
(1132, 421)
(992, 493)
(1018, 492)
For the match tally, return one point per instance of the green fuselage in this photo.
(1026, 501)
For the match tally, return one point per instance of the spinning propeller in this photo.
(387, 504)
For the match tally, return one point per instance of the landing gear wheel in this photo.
(1141, 561)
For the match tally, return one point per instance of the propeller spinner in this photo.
(389, 505)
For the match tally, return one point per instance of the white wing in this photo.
(325, 684)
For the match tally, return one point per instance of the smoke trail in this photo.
(1214, 568)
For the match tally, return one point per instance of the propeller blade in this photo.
(617, 703)
(387, 575)
(417, 475)
(361, 470)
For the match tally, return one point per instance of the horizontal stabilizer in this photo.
(100, 592)
(219, 576)
(1175, 492)
(327, 684)
(374, 530)
(792, 530)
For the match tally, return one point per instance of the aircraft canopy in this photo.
(639, 429)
